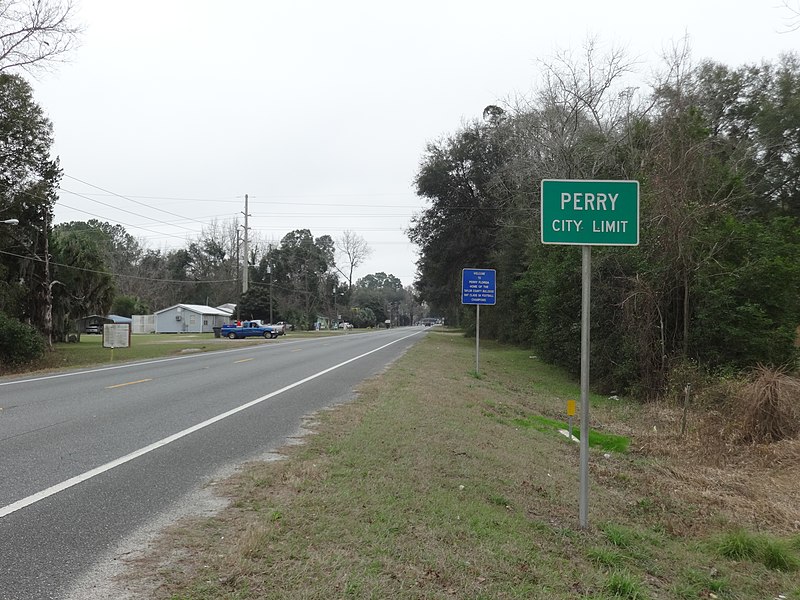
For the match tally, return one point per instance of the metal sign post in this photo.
(588, 213)
(586, 292)
(477, 339)
(478, 286)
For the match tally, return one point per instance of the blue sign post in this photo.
(478, 286)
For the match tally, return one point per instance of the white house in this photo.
(190, 318)
(229, 308)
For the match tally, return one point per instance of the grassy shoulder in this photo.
(437, 484)
(90, 351)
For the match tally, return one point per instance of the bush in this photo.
(771, 406)
(19, 343)
(748, 310)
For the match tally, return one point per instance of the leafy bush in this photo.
(19, 343)
(363, 317)
(127, 306)
(749, 309)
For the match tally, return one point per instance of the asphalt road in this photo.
(88, 457)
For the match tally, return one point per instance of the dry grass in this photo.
(424, 487)
(771, 406)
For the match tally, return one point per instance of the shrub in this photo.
(19, 343)
(771, 406)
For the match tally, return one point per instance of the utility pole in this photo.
(246, 271)
(238, 266)
(269, 270)
(47, 321)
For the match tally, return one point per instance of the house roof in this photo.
(94, 317)
(197, 308)
(120, 320)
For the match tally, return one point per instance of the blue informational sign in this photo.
(478, 286)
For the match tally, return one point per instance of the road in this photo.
(88, 457)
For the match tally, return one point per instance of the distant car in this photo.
(94, 329)
(287, 326)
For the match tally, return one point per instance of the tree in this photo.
(85, 285)
(302, 275)
(36, 32)
(254, 304)
(381, 293)
(753, 284)
(212, 263)
(714, 279)
(462, 178)
(387, 284)
(159, 278)
(354, 250)
(29, 178)
(127, 306)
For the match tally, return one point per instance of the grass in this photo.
(426, 487)
(597, 439)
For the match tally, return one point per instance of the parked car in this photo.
(251, 329)
(286, 326)
(95, 328)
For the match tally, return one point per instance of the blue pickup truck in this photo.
(251, 329)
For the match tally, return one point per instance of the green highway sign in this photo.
(590, 213)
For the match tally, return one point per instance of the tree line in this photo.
(715, 281)
(52, 274)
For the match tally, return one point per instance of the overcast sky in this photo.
(320, 111)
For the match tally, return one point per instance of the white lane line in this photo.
(64, 485)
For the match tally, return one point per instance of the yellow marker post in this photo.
(570, 414)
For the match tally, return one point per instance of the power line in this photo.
(130, 200)
(130, 212)
(238, 200)
(112, 274)
(159, 233)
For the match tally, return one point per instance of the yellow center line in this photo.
(243, 360)
(111, 387)
(297, 350)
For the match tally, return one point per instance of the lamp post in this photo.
(11, 221)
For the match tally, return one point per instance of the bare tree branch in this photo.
(354, 250)
(793, 19)
(34, 33)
